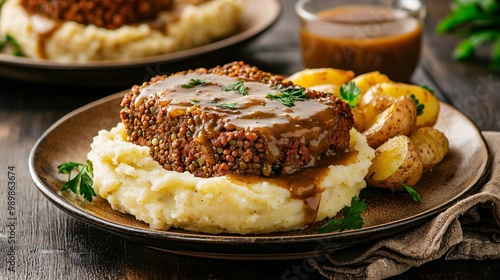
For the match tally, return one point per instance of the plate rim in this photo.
(133, 233)
(274, 9)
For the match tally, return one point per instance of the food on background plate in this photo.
(230, 149)
(387, 111)
(82, 31)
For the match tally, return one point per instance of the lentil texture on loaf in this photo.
(234, 119)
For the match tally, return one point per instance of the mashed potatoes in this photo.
(133, 183)
(191, 26)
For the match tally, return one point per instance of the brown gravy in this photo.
(309, 121)
(303, 184)
(366, 38)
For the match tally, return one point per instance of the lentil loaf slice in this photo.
(187, 127)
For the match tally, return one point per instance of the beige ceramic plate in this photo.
(462, 171)
(258, 15)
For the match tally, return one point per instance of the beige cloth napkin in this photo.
(468, 230)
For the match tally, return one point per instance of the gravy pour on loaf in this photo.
(188, 129)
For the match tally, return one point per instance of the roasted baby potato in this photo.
(398, 119)
(432, 145)
(367, 80)
(374, 102)
(431, 103)
(320, 76)
(359, 119)
(327, 88)
(396, 162)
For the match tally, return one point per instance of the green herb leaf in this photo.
(426, 87)
(459, 16)
(351, 217)
(351, 93)
(414, 194)
(226, 105)
(478, 21)
(194, 82)
(495, 64)
(420, 106)
(68, 167)
(194, 102)
(16, 49)
(289, 96)
(239, 87)
(82, 183)
(466, 48)
(2, 43)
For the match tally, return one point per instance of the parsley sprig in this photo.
(478, 23)
(351, 93)
(16, 49)
(239, 87)
(82, 183)
(225, 105)
(351, 217)
(289, 96)
(429, 89)
(414, 194)
(420, 106)
(194, 82)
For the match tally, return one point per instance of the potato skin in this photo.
(398, 119)
(320, 76)
(367, 80)
(396, 162)
(359, 119)
(327, 88)
(431, 144)
(374, 102)
(425, 97)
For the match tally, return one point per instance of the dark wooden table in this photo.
(49, 244)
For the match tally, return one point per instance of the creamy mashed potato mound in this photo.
(133, 183)
(190, 26)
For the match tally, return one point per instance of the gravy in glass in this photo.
(363, 38)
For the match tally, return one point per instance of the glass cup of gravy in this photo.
(362, 35)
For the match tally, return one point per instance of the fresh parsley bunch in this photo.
(479, 22)
(351, 217)
(82, 183)
(11, 41)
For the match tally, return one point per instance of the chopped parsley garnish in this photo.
(420, 106)
(16, 49)
(289, 96)
(414, 194)
(194, 82)
(351, 93)
(194, 102)
(226, 105)
(351, 217)
(239, 87)
(426, 87)
(82, 183)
